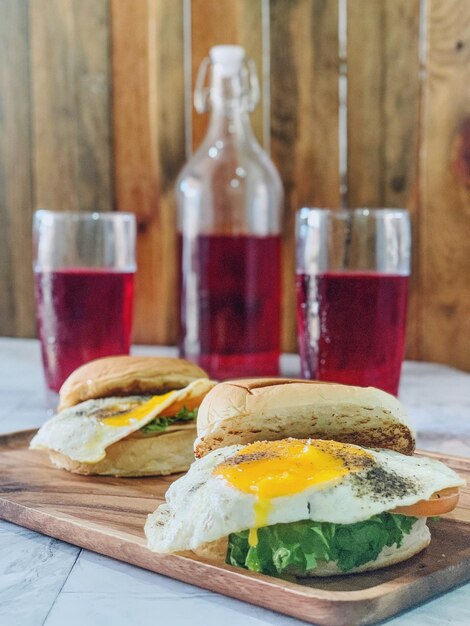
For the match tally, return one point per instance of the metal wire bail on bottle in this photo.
(253, 83)
(249, 80)
(201, 90)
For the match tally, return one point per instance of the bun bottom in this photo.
(167, 453)
(416, 541)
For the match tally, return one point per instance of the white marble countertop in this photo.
(45, 581)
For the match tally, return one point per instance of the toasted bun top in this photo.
(243, 411)
(127, 375)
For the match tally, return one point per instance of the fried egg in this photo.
(83, 432)
(265, 483)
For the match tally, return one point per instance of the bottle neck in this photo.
(229, 117)
(233, 124)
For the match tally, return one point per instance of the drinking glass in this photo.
(84, 265)
(352, 289)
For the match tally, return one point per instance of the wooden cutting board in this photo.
(107, 515)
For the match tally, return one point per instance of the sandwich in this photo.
(126, 416)
(343, 495)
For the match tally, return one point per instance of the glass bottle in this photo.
(229, 197)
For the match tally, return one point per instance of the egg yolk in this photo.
(139, 413)
(272, 469)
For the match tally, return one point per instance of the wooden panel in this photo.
(107, 515)
(383, 116)
(445, 187)
(383, 91)
(16, 300)
(71, 104)
(148, 116)
(216, 22)
(304, 120)
(56, 141)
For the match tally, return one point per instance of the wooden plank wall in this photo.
(149, 148)
(95, 113)
(219, 22)
(305, 65)
(55, 137)
(70, 94)
(16, 185)
(383, 117)
(444, 238)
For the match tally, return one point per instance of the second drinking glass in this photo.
(352, 289)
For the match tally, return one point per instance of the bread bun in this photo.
(244, 411)
(165, 453)
(126, 376)
(416, 541)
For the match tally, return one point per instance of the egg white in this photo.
(201, 507)
(80, 433)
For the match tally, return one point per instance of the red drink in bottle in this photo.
(236, 312)
(82, 314)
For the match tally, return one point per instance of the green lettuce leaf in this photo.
(160, 424)
(288, 550)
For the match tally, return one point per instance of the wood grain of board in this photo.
(107, 515)
(383, 118)
(304, 121)
(445, 187)
(16, 284)
(149, 144)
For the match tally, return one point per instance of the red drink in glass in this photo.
(82, 314)
(236, 315)
(352, 327)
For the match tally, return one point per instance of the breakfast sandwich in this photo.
(313, 505)
(126, 416)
